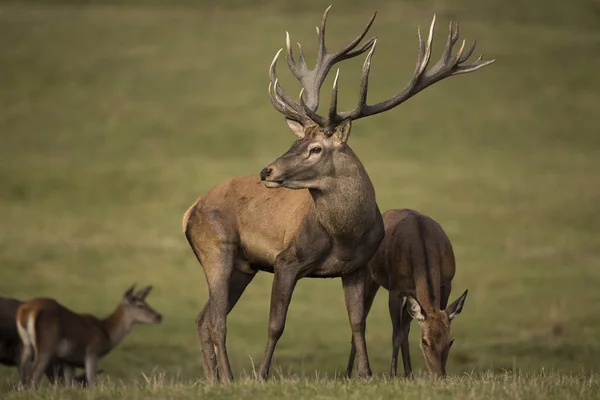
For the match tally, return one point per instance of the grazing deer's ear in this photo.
(454, 309)
(414, 308)
(296, 127)
(142, 294)
(129, 293)
(342, 131)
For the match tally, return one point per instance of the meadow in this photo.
(116, 116)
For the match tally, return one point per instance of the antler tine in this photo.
(312, 80)
(279, 99)
(364, 86)
(334, 97)
(422, 77)
(322, 50)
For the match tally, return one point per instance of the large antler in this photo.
(447, 66)
(304, 110)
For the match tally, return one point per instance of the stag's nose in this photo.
(264, 174)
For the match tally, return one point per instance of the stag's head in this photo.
(436, 340)
(312, 159)
(136, 309)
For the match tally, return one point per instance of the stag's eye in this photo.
(451, 343)
(424, 343)
(315, 150)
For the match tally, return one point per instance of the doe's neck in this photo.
(117, 325)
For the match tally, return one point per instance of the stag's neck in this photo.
(346, 205)
(116, 326)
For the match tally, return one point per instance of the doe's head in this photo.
(137, 309)
(436, 340)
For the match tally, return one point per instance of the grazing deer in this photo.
(415, 260)
(314, 215)
(51, 332)
(10, 343)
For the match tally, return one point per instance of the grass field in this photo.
(114, 118)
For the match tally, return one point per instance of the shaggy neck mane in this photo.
(348, 201)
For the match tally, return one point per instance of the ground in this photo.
(115, 117)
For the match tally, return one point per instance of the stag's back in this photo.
(260, 221)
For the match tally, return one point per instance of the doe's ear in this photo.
(414, 308)
(142, 294)
(454, 309)
(342, 132)
(296, 127)
(129, 293)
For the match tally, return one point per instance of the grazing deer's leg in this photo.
(284, 283)
(405, 327)
(354, 291)
(395, 306)
(370, 291)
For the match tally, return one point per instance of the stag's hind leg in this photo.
(354, 292)
(371, 289)
(225, 287)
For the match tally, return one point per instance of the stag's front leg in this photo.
(354, 292)
(284, 283)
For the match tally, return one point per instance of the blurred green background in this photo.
(115, 116)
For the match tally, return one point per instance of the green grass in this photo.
(114, 118)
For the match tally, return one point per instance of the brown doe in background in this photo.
(50, 332)
(10, 343)
(416, 261)
(331, 227)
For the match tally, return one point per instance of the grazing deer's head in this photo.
(435, 332)
(322, 139)
(136, 310)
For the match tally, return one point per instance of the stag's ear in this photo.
(342, 132)
(454, 309)
(142, 294)
(414, 308)
(129, 293)
(296, 127)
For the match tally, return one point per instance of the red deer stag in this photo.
(415, 260)
(51, 332)
(314, 215)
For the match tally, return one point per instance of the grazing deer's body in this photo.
(51, 332)
(415, 261)
(330, 230)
